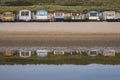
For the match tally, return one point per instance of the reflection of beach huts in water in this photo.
(25, 53)
(42, 53)
(109, 52)
(58, 16)
(25, 15)
(58, 52)
(93, 15)
(8, 16)
(42, 15)
(75, 52)
(93, 52)
(109, 15)
(8, 53)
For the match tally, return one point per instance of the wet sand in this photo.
(60, 34)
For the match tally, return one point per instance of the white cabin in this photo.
(58, 52)
(109, 15)
(25, 15)
(75, 16)
(109, 52)
(93, 15)
(25, 53)
(93, 52)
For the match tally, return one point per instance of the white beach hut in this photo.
(25, 15)
(93, 52)
(58, 52)
(109, 15)
(93, 15)
(25, 53)
(109, 52)
(75, 52)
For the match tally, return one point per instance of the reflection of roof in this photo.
(24, 50)
(107, 50)
(58, 51)
(42, 51)
(8, 51)
(95, 50)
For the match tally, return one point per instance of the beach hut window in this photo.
(24, 13)
(110, 14)
(42, 13)
(24, 54)
(75, 14)
(58, 14)
(7, 14)
(93, 14)
(93, 53)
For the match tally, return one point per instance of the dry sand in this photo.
(70, 27)
(60, 34)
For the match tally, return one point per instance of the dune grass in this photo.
(53, 8)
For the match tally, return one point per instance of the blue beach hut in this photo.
(58, 16)
(42, 53)
(42, 15)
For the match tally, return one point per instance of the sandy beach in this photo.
(60, 34)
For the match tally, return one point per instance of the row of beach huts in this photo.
(45, 53)
(44, 15)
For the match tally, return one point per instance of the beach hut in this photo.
(67, 17)
(51, 16)
(42, 53)
(117, 15)
(25, 15)
(75, 53)
(0, 17)
(109, 15)
(58, 16)
(58, 52)
(25, 53)
(109, 52)
(42, 15)
(77, 16)
(93, 52)
(8, 16)
(93, 15)
(1, 53)
(8, 53)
